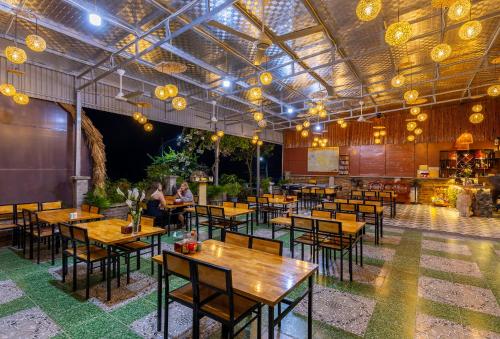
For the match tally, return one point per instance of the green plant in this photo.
(232, 189)
(97, 198)
(214, 191)
(283, 181)
(452, 194)
(171, 163)
(229, 179)
(111, 192)
(264, 184)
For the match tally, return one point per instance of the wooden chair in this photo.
(267, 195)
(356, 194)
(321, 214)
(355, 201)
(94, 209)
(329, 206)
(346, 216)
(85, 207)
(7, 222)
(305, 194)
(370, 195)
(267, 245)
(347, 208)
(31, 206)
(331, 238)
(51, 205)
(138, 247)
(387, 198)
(39, 232)
(242, 205)
(370, 215)
(341, 201)
(175, 264)
(238, 239)
(227, 204)
(81, 251)
(228, 308)
(201, 211)
(218, 220)
(305, 226)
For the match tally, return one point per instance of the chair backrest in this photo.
(216, 277)
(370, 194)
(94, 209)
(372, 209)
(31, 206)
(145, 220)
(341, 201)
(279, 197)
(329, 190)
(373, 202)
(321, 214)
(217, 212)
(65, 230)
(312, 181)
(176, 264)
(263, 200)
(271, 246)
(51, 205)
(85, 207)
(228, 204)
(356, 201)
(235, 238)
(242, 205)
(26, 217)
(346, 216)
(326, 226)
(329, 206)
(251, 199)
(201, 210)
(305, 190)
(320, 191)
(6, 211)
(306, 224)
(79, 234)
(356, 193)
(169, 199)
(347, 207)
(267, 195)
(383, 195)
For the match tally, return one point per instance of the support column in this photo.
(80, 184)
(216, 164)
(258, 170)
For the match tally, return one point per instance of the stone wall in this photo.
(118, 211)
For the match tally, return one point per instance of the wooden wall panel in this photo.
(372, 160)
(399, 160)
(354, 157)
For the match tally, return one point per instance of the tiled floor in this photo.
(415, 284)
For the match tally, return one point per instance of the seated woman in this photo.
(185, 194)
(156, 203)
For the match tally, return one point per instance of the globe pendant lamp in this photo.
(260, 143)
(172, 90)
(258, 116)
(136, 115)
(15, 54)
(418, 131)
(322, 114)
(21, 99)
(422, 117)
(398, 81)
(304, 133)
(477, 108)
(411, 126)
(142, 120)
(179, 103)
(398, 33)
(255, 93)
(459, 9)
(367, 10)
(470, 30)
(148, 127)
(440, 52)
(410, 138)
(415, 110)
(266, 78)
(214, 137)
(494, 90)
(35, 42)
(306, 124)
(299, 128)
(7, 90)
(476, 118)
(344, 125)
(161, 93)
(220, 134)
(411, 96)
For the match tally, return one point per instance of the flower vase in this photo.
(136, 224)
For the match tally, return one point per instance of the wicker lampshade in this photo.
(21, 99)
(148, 127)
(398, 81)
(7, 90)
(161, 92)
(258, 116)
(266, 78)
(15, 55)
(470, 30)
(179, 103)
(172, 90)
(440, 52)
(459, 9)
(398, 33)
(367, 10)
(36, 43)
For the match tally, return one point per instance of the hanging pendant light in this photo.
(344, 125)
(306, 124)
(422, 117)
(15, 54)
(494, 90)
(476, 118)
(299, 128)
(214, 137)
(398, 33)
(304, 133)
(378, 141)
(35, 42)
(415, 110)
(411, 96)
(459, 9)
(410, 126)
(148, 127)
(398, 81)
(315, 144)
(220, 134)
(418, 131)
(470, 30)
(142, 120)
(7, 89)
(258, 116)
(262, 123)
(340, 121)
(383, 133)
(322, 114)
(440, 52)
(21, 99)
(410, 138)
(171, 90)
(179, 103)
(376, 134)
(161, 92)
(266, 78)
(255, 93)
(477, 108)
(260, 143)
(312, 111)
(136, 115)
(367, 10)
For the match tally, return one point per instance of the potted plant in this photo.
(232, 190)
(134, 200)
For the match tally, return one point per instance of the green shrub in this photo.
(97, 198)
(232, 189)
(229, 179)
(214, 191)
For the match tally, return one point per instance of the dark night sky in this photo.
(128, 146)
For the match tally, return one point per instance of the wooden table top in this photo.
(171, 206)
(109, 232)
(260, 276)
(62, 215)
(229, 212)
(279, 201)
(348, 226)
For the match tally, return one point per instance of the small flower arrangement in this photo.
(134, 198)
(467, 172)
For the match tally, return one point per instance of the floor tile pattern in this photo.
(431, 327)
(450, 265)
(30, 323)
(9, 291)
(446, 247)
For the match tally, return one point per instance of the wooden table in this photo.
(54, 217)
(108, 232)
(257, 275)
(231, 213)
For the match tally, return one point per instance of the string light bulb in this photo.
(476, 118)
(148, 127)
(266, 78)
(179, 103)
(415, 110)
(15, 55)
(367, 10)
(304, 133)
(494, 90)
(136, 115)
(470, 30)
(258, 116)
(21, 98)
(398, 81)
(398, 33)
(306, 124)
(411, 96)
(440, 52)
(422, 117)
(459, 9)
(299, 128)
(410, 126)
(7, 90)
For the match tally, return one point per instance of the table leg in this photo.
(108, 275)
(159, 295)
(251, 223)
(361, 247)
(309, 306)
(270, 320)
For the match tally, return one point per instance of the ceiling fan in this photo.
(125, 97)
